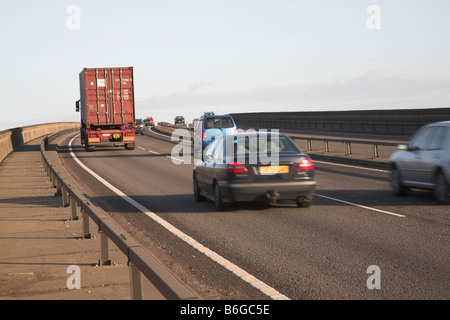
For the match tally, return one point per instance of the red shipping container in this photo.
(107, 96)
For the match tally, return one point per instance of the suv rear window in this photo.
(218, 122)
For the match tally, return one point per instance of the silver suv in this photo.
(424, 163)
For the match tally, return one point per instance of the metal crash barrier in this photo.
(167, 129)
(347, 142)
(140, 261)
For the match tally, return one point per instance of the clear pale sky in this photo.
(226, 56)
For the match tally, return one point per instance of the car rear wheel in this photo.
(442, 189)
(197, 196)
(396, 183)
(89, 148)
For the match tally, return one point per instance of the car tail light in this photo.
(236, 167)
(203, 134)
(305, 164)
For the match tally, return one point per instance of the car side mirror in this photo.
(77, 106)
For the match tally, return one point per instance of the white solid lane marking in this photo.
(360, 206)
(244, 275)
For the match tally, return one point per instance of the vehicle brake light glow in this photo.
(203, 134)
(305, 164)
(236, 167)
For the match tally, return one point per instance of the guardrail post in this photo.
(65, 197)
(86, 229)
(58, 188)
(53, 179)
(73, 205)
(349, 148)
(309, 145)
(104, 249)
(135, 282)
(325, 143)
(375, 151)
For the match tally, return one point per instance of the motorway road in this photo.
(322, 252)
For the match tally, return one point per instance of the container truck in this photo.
(107, 107)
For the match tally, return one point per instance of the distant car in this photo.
(179, 120)
(424, 163)
(235, 171)
(149, 122)
(139, 127)
(209, 128)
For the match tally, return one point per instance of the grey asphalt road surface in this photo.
(357, 240)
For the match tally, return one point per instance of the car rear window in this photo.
(264, 145)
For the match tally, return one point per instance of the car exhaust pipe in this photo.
(273, 196)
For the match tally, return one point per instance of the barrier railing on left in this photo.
(140, 261)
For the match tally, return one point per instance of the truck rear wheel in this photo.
(129, 146)
(89, 148)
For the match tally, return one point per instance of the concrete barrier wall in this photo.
(12, 139)
(386, 122)
(167, 128)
